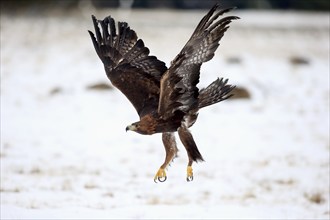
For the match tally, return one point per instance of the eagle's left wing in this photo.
(178, 89)
(128, 64)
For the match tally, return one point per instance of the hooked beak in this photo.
(131, 128)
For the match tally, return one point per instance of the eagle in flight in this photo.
(167, 100)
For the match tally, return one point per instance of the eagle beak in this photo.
(131, 128)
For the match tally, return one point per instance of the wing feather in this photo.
(127, 63)
(178, 90)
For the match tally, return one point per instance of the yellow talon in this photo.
(160, 175)
(190, 175)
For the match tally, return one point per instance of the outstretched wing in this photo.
(127, 64)
(178, 85)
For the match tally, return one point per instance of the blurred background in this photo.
(64, 149)
(310, 5)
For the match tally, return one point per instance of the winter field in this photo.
(65, 152)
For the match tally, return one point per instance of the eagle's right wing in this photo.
(127, 63)
(178, 90)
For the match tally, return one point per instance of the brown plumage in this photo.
(167, 100)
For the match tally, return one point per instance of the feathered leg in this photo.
(192, 150)
(171, 152)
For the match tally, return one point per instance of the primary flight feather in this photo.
(167, 100)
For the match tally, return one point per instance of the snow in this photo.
(65, 152)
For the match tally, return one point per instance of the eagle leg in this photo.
(171, 152)
(160, 176)
(190, 175)
(191, 148)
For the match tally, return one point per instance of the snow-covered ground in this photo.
(65, 152)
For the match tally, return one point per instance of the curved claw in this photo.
(160, 176)
(190, 175)
(162, 179)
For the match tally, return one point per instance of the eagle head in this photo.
(142, 127)
(132, 127)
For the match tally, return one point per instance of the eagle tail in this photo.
(216, 92)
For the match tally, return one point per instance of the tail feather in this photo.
(216, 92)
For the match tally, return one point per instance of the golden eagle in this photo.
(166, 99)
